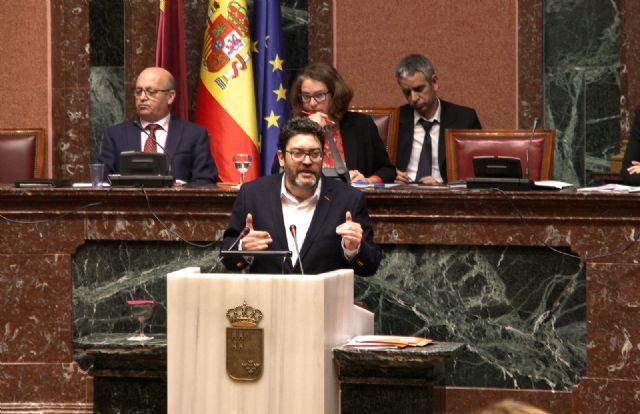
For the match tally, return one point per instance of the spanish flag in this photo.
(225, 99)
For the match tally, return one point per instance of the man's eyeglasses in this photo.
(318, 97)
(299, 155)
(150, 92)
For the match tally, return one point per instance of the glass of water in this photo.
(242, 162)
(142, 311)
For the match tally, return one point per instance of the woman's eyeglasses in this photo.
(318, 97)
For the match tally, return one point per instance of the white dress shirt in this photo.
(161, 133)
(418, 140)
(299, 213)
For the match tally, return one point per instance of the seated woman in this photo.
(631, 163)
(320, 93)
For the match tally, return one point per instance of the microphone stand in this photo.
(294, 232)
(339, 166)
(526, 153)
(241, 236)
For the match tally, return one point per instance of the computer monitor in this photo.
(143, 163)
(142, 169)
(497, 167)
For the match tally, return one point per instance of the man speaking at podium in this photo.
(325, 217)
(186, 144)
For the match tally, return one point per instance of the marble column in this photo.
(582, 85)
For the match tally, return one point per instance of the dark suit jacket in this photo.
(632, 153)
(452, 116)
(187, 147)
(322, 248)
(363, 148)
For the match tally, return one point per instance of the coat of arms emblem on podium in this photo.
(244, 343)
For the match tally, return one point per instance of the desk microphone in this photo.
(338, 163)
(294, 231)
(241, 236)
(526, 153)
(168, 155)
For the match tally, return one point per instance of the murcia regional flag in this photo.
(225, 101)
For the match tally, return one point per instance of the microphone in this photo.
(241, 236)
(340, 168)
(294, 232)
(137, 123)
(526, 153)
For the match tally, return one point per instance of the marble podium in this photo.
(304, 318)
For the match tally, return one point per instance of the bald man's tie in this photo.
(150, 144)
(424, 164)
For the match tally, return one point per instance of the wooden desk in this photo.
(425, 235)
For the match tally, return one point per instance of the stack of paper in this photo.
(362, 184)
(552, 184)
(610, 188)
(387, 341)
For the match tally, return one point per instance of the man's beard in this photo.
(298, 181)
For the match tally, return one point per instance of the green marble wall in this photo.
(520, 310)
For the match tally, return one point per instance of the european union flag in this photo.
(269, 78)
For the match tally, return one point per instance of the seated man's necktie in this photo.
(424, 164)
(150, 144)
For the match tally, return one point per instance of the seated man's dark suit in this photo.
(452, 116)
(632, 153)
(187, 147)
(322, 249)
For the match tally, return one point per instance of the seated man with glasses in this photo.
(331, 220)
(155, 130)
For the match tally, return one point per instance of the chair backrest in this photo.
(464, 144)
(22, 154)
(387, 120)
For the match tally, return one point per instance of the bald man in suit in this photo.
(186, 144)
